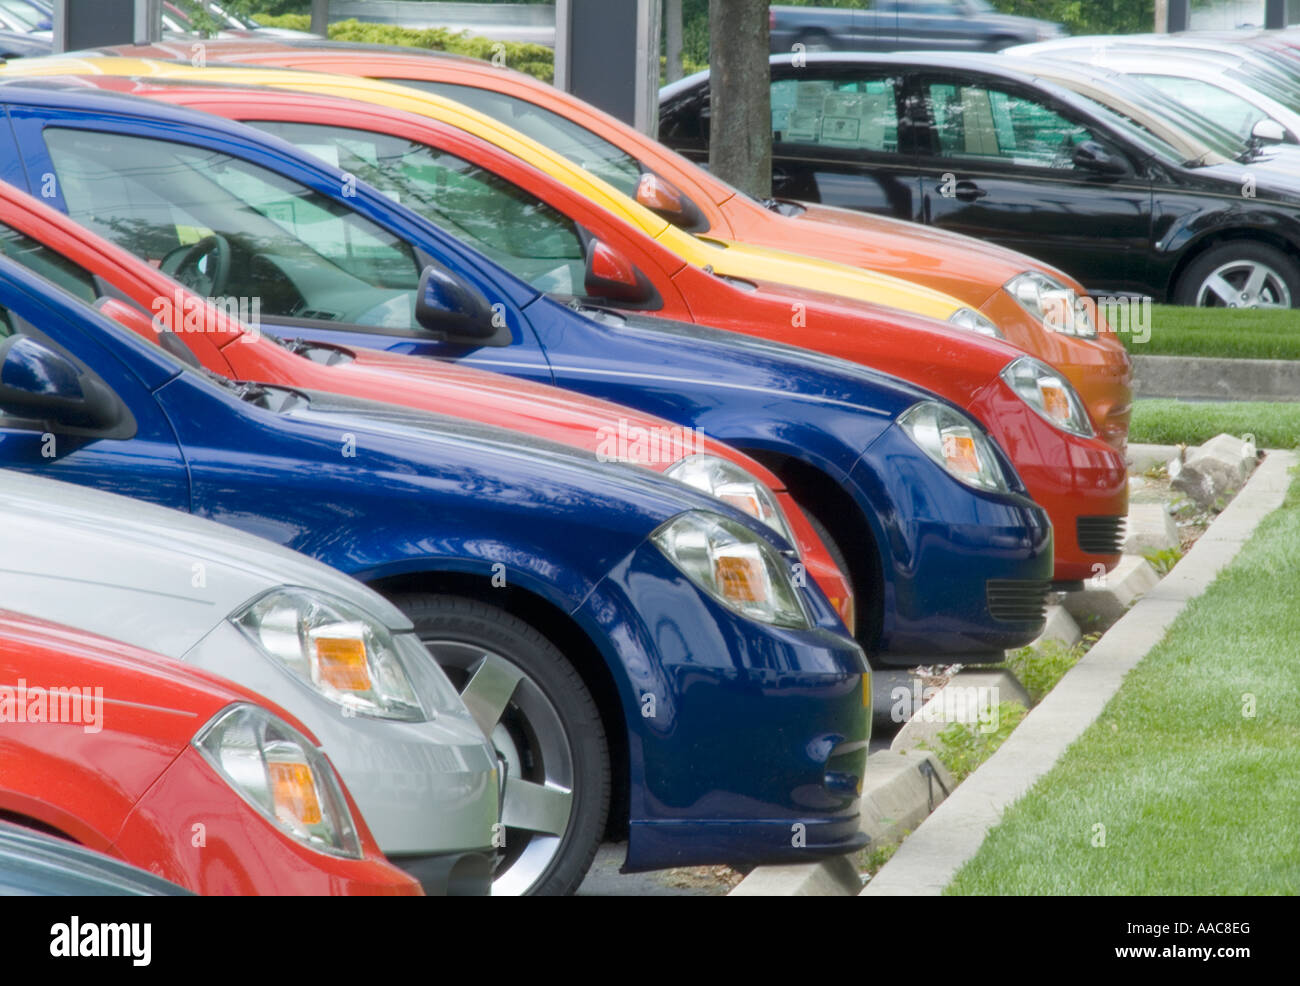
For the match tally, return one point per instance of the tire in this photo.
(546, 729)
(833, 549)
(1249, 274)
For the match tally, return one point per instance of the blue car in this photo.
(947, 564)
(599, 618)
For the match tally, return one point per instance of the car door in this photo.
(999, 161)
(42, 350)
(309, 265)
(904, 25)
(841, 136)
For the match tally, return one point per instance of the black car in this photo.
(977, 145)
(897, 25)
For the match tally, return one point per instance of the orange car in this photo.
(1022, 296)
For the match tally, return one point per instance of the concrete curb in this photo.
(901, 790)
(833, 877)
(1208, 378)
(1142, 456)
(931, 856)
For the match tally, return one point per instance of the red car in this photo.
(1033, 413)
(974, 271)
(74, 257)
(143, 758)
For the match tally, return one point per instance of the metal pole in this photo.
(1275, 14)
(673, 39)
(649, 17)
(1162, 17)
(563, 33)
(1178, 16)
(148, 21)
(320, 17)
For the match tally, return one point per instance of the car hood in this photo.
(754, 363)
(1276, 178)
(144, 574)
(542, 410)
(962, 266)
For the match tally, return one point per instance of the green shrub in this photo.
(964, 746)
(536, 60)
(1040, 668)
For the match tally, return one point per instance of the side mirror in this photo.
(1268, 131)
(1092, 156)
(454, 308)
(612, 277)
(39, 384)
(664, 199)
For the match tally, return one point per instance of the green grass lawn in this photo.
(1195, 796)
(1171, 422)
(1235, 333)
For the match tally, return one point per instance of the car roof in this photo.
(259, 46)
(987, 62)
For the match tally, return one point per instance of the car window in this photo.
(1224, 108)
(49, 264)
(584, 148)
(942, 8)
(855, 114)
(983, 123)
(23, 16)
(516, 229)
(6, 323)
(300, 252)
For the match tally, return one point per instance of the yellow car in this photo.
(724, 257)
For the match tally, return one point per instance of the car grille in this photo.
(1018, 600)
(1101, 535)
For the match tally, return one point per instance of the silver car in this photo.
(338, 656)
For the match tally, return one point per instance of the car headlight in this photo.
(735, 566)
(1048, 393)
(337, 649)
(278, 771)
(969, 318)
(1056, 306)
(732, 484)
(955, 442)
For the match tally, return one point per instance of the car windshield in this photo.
(298, 251)
(1201, 140)
(1226, 109)
(1266, 86)
(511, 226)
(23, 16)
(577, 143)
(1144, 139)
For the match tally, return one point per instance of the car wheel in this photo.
(1240, 274)
(815, 41)
(540, 716)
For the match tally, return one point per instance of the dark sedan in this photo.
(975, 145)
(897, 25)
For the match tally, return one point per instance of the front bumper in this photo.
(193, 829)
(1099, 369)
(1082, 483)
(424, 788)
(941, 545)
(756, 749)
